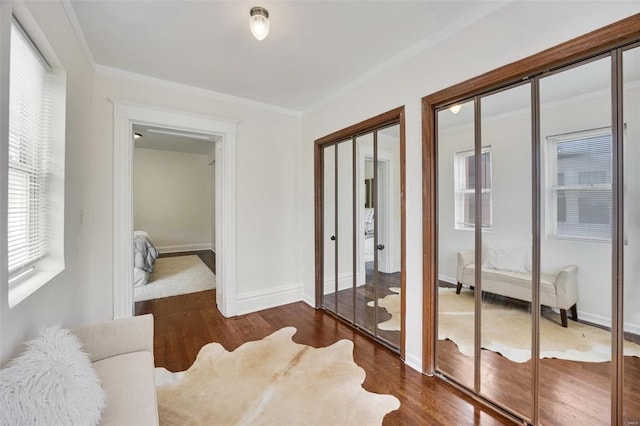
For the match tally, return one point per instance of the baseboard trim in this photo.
(253, 301)
(345, 281)
(606, 322)
(447, 279)
(177, 248)
(413, 362)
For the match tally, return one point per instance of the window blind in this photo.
(30, 127)
(582, 185)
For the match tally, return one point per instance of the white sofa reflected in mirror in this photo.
(558, 290)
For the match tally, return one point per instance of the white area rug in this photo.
(176, 275)
(272, 381)
(507, 330)
(391, 303)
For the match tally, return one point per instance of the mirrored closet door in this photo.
(360, 227)
(537, 237)
(576, 249)
(631, 236)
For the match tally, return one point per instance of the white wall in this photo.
(173, 198)
(515, 31)
(268, 247)
(70, 298)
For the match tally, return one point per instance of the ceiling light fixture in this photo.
(259, 22)
(137, 135)
(456, 108)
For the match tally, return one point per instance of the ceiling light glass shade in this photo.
(455, 109)
(259, 22)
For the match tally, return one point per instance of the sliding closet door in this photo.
(361, 172)
(338, 220)
(329, 288)
(455, 346)
(576, 247)
(366, 303)
(506, 320)
(387, 226)
(631, 304)
(345, 227)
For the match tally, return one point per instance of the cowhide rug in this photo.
(507, 330)
(391, 303)
(273, 381)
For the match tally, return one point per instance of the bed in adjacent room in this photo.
(144, 258)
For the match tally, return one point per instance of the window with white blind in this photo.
(465, 182)
(35, 193)
(580, 199)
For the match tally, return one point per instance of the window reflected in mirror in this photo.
(575, 249)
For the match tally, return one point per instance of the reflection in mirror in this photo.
(575, 265)
(329, 227)
(365, 174)
(505, 358)
(345, 229)
(631, 294)
(387, 234)
(456, 225)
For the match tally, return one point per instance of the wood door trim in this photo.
(365, 126)
(599, 41)
(395, 115)
(605, 39)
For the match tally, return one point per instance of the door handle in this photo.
(333, 238)
(380, 246)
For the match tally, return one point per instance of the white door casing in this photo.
(125, 115)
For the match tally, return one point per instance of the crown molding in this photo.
(426, 43)
(77, 29)
(191, 90)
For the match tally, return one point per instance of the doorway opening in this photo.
(128, 115)
(174, 212)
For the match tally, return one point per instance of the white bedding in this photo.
(144, 258)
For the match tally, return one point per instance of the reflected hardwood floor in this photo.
(183, 324)
(365, 315)
(571, 392)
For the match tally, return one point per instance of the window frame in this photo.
(552, 189)
(458, 163)
(51, 263)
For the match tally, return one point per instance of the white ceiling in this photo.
(314, 48)
(176, 140)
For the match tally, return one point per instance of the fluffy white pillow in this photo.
(505, 259)
(51, 383)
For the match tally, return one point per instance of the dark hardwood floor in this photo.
(183, 324)
(571, 393)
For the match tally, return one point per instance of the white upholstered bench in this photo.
(557, 291)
